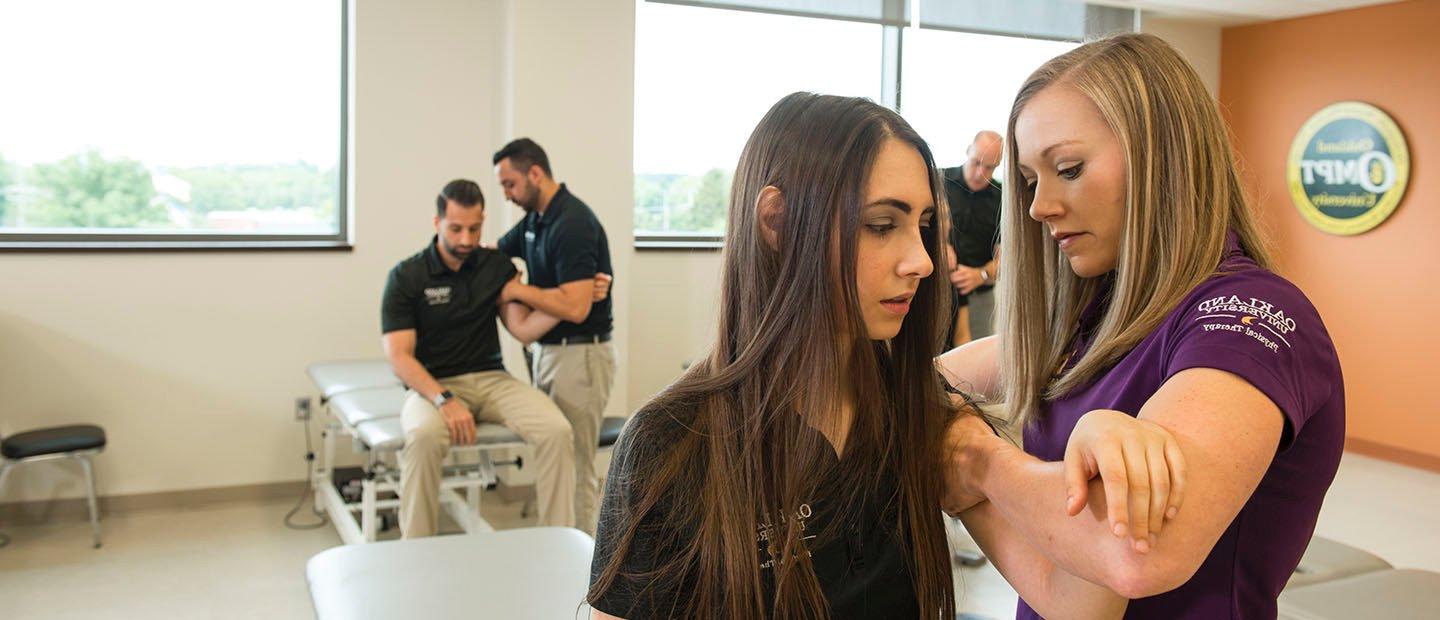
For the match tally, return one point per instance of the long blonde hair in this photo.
(1182, 195)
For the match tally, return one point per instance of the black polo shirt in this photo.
(452, 312)
(863, 567)
(565, 244)
(974, 220)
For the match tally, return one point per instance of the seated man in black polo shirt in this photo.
(438, 318)
(565, 249)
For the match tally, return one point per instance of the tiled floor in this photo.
(238, 561)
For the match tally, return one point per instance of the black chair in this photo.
(77, 441)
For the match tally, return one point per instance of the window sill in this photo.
(679, 242)
(175, 245)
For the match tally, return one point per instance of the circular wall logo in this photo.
(1348, 168)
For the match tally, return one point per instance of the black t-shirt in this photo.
(565, 244)
(862, 567)
(452, 312)
(974, 220)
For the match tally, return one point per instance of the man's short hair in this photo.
(523, 153)
(463, 192)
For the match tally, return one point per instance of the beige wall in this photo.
(674, 314)
(571, 71)
(1198, 40)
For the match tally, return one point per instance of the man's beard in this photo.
(530, 201)
(457, 253)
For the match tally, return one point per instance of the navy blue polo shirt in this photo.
(565, 244)
(452, 312)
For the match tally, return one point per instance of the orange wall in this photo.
(1378, 292)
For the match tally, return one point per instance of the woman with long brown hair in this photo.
(1137, 286)
(795, 472)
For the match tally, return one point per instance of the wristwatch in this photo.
(984, 275)
(442, 397)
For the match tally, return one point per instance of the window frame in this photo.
(189, 241)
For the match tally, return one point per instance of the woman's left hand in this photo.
(1140, 465)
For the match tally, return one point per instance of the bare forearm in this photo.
(413, 373)
(1030, 495)
(526, 324)
(1051, 591)
(971, 367)
(553, 301)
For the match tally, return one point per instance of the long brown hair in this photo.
(1182, 195)
(787, 315)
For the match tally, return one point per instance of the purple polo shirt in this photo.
(1252, 323)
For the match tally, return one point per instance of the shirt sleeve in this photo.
(513, 241)
(641, 588)
(397, 307)
(1263, 329)
(577, 251)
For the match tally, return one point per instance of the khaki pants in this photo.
(499, 398)
(578, 378)
(982, 314)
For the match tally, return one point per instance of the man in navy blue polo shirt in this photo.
(564, 248)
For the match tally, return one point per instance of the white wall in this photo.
(1197, 40)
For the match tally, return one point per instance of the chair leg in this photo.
(90, 491)
(4, 471)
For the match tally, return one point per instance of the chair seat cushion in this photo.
(610, 431)
(53, 440)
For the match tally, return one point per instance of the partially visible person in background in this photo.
(974, 251)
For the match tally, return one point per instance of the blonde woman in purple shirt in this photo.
(1138, 286)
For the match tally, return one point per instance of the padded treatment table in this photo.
(524, 573)
(1327, 560)
(1403, 594)
(338, 377)
(363, 400)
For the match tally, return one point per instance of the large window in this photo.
(707, 70)
(958, 83)
(703, 79)
(172, 123)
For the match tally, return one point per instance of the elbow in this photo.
(578, 315)
(1141, 577)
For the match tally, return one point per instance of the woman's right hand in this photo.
(1140, 465)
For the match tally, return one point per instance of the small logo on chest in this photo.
(437, 295)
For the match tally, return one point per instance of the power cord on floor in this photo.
(308, 491)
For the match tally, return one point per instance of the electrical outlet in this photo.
(302, 408)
